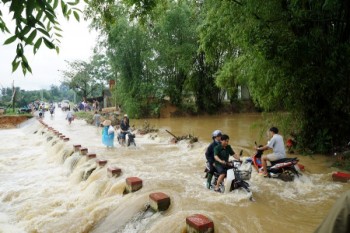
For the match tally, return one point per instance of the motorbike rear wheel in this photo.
(287, 175)
(129, 142)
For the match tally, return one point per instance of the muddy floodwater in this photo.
(45, 188)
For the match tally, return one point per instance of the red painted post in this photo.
(133, 184)
(76, 147)
(159, 201)
(199, 223)
(91, 156)
(101, 162)
(114, 171)
(83, 151)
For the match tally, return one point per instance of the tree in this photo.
(176, 46)
(130, 54)
(35, 23)
(78, 77)
(291, 55)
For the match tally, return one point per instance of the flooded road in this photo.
(43, 189)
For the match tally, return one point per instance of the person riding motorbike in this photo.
(124, 127)
(277, 145)
(221, 156)
(52, 109)
(209, 155)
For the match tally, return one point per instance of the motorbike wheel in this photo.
(119, 140)
(287, 175)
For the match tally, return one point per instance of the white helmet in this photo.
(216, 133)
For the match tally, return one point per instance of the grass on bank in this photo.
(11, 112)
(87, 116)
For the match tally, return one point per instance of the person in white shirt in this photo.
(276, 143)
(70, 117)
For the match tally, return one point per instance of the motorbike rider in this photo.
(221, 156)
(124, 127)
(209, 155)
(52, 109)
(277, 145)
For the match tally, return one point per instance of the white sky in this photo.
(77, 44)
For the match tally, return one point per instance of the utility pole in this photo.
(13, 100)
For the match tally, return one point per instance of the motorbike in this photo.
(129, 138)
(237, 175)
(285, 169)
(52, 111)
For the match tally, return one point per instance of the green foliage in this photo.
(87, 79)
(130, 54)
(23, 98)
(176, 45)
(342, 160)
(35, 22)
(293, 56)
(87, 116)
(14, 112)
(189, 107)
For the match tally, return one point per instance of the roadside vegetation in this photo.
(87, 116)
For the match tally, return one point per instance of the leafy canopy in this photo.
(35, 23)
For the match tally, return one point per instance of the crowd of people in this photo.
(86, 106)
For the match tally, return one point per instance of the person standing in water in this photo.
(70, 117)
(108, 134)
(97, 119)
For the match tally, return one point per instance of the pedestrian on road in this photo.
(70, 117)
(97, 119)
(108, 134)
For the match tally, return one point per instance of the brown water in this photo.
(41, 190)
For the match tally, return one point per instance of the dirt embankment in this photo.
(8, 122)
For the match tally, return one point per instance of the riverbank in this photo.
(9, 122)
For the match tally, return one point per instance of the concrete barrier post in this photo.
(199, 223)
(101, 162)
(83, 151)
(91, 156)
(159, 201)
(133, 184)
(114, 171)
(76, 147)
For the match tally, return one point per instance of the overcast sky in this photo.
(77, 44)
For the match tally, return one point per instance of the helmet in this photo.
(125, 115)
(216, 133)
